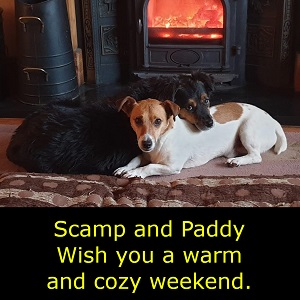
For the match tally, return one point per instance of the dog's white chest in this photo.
(173, 147)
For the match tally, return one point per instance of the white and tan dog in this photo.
(170, 143)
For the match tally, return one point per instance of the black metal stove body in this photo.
(159, 45)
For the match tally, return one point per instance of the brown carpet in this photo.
(274, 182)
(287, 163)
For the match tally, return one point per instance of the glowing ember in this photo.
(194, 14)
(198, 36)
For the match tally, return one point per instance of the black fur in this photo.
(168, 87)
(69, 137)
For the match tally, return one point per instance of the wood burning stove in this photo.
(150, 37)
(177, 36)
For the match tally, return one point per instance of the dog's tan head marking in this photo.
(204, 98)
(228, 112)
(126, 105)
(191, 106)
(149, 119)
(187, 113)
(171, 108)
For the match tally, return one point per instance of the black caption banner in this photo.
(144, 253)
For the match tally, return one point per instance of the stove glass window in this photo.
(185, 21)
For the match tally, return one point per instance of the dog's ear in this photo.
(171, 108)
(126, 105)
(207, 79)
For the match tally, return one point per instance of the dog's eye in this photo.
(138, 121)
(157, 122)
(189, 108)
(206, 101)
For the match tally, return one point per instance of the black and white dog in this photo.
(76, 138)
(241, 133)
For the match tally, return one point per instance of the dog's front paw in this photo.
(134, 173)
(120, 172)
(128, 173)
(232, 162)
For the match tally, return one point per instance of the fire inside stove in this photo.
(178, 21)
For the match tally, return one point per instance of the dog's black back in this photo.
(166, 87)
(68, 137)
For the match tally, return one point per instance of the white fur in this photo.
(184, 147)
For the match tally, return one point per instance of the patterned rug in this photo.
(44, 190)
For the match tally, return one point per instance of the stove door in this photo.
(183, 35)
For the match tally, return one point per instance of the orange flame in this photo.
(186, 14)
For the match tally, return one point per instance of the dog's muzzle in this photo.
(205, 124)
(208, 123)
(146, 144)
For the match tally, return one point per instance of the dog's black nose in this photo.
(147, 144)
(209, 123)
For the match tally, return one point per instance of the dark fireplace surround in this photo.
(250, 39)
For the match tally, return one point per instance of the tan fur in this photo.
(227, 112)
(192, 102)
(144, 115)
(204, 96)
(148, 112)
(191, 118)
